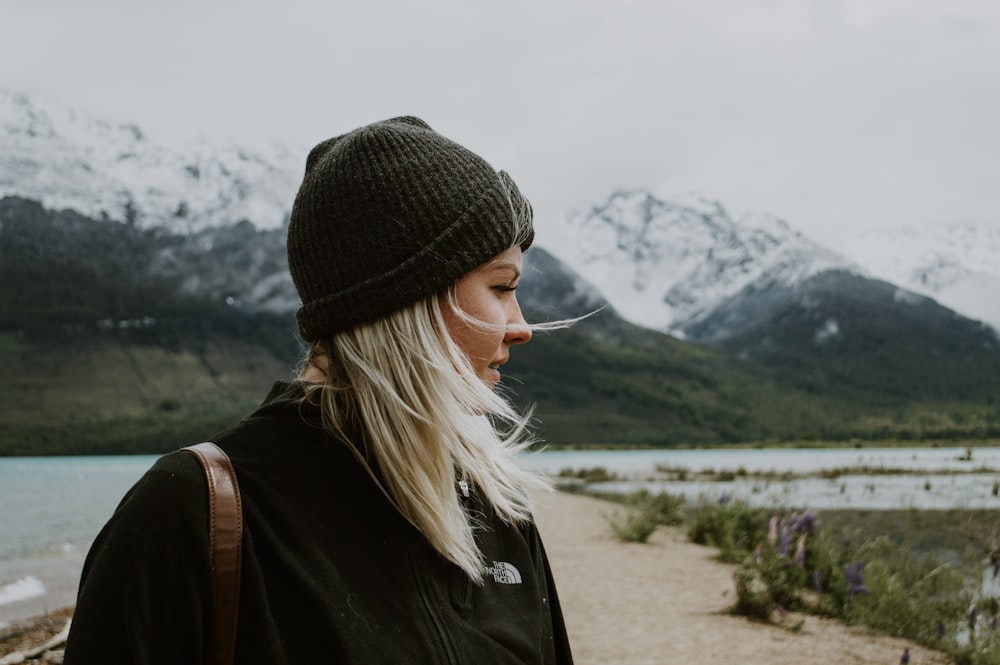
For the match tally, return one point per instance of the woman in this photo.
(385, 519)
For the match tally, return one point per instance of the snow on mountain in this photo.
(666, 264)
(68, 159)
(957, 265)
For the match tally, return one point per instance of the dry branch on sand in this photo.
(35, 640)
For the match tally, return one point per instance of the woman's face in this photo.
(487, 294)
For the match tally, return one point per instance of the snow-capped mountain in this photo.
(68, 159)
(662, 264)
(668, 264)
(958, 265)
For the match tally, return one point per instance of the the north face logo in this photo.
(504, 573)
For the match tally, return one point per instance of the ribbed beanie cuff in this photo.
(389, 214)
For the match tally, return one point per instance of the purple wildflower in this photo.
(996, 568)
(993, 623)
(758, 554)
(772, 531)
(855, 574)
(941, 628)
(782, 612)
(905, 658)
(804, 523)
(817, 581)
(725, 498)
(973, 616)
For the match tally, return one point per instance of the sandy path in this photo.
(664, 602)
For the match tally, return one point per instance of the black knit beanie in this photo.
(389, 214)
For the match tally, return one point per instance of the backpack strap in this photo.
(225, 537)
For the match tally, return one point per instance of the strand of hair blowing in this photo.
(428, 421)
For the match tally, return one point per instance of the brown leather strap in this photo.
(225, 535)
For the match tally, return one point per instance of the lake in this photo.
(52, 508)
(923, 478)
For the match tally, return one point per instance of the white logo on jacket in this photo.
(504, 573)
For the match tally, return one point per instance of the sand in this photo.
(660, 602)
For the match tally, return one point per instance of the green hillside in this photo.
(110, 395)
(106, 393)
(630, 385)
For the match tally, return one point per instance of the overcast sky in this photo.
(834, 115)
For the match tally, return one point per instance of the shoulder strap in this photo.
(225, 536)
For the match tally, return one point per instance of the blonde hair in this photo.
(426, 422)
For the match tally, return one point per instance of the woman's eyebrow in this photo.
(504, 267)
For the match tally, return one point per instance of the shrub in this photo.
(643, 512)
(597, 474)
(732, 527)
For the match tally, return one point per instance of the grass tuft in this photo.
(643, 512)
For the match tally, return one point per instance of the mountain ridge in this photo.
(678, 260)
(66, 158)
(957, 264)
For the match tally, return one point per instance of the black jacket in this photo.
(331, 572)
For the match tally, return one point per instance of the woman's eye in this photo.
(506, 288)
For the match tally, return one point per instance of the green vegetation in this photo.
(596, 474)
(926, 591)
(731, 527)
(643, 512)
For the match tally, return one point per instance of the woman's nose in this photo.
(518, 330)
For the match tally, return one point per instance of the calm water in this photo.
(52, 508)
